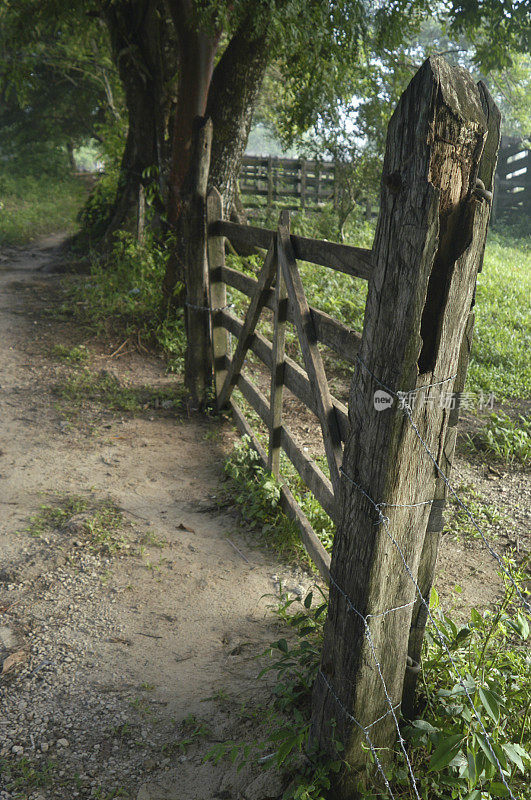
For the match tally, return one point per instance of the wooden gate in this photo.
(279, 288)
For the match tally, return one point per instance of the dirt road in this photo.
(127, 655)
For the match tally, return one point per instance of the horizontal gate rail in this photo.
(295, 378)
(330, 332)
(355, 261)
(279, 288)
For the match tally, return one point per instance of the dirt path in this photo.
(113, 654)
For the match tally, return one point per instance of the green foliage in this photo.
(447, 745)
(71, 355)
(124, 293)
(257, 493)
(58, 80)
(500, 351)
(491, 658)
(504, 438)
(33, 206)
(486, 515)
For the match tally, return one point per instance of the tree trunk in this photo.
(234, 90)
(228, 94)
(71, 156)
(197, 51)
(141, 39)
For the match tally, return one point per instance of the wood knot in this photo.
(480, 191)
(393, 181)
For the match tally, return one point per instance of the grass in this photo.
(21, 776)
(33, 206)
(487, 515)
(85, 387)
(500, 353)
(100, 527)
(504, 439)
(71, 355)
(124, 295)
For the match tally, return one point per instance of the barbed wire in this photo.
(406, 408)
(382, 519)
(385, 521)
(208, 308)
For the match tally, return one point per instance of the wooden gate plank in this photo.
(218, 291)
(289, 505)
(310, 352)
(277, 372)
(334, 334)
(256, 305)
(295, 378)
(309, 471)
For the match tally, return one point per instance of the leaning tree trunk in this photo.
(234, 90)
(227, 94)
(143, 51)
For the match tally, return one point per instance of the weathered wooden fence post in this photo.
(198, 370)
(218, 290)
(428, 559)
(428, 248)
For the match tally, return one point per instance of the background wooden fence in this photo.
(303, 182)
(512, 187)
(299, 183)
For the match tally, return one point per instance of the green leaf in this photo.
(486, 749)
(497, 789)
(308, 600)
(422, 725)
(520, 624)
(471, 766)
(490, 704)
(513, 755)
(445, 752)
(475, 616)
(282, 645)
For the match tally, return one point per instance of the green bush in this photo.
(124, 291)
(31, 206)
(505, 439)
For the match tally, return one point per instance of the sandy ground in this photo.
(118, 653)
(126, 668)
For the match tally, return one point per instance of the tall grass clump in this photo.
(123, 294)
(32, 205)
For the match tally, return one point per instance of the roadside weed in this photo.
(71, 355)
(487, 515)
(97, 524)
(504, 439)
(453, 754)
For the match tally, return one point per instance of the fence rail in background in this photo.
(310, 183)
(278, 287)
(512, 187)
